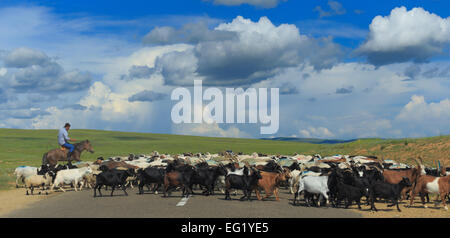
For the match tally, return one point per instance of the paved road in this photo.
(82, 204)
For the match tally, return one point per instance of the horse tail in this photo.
(44, 158)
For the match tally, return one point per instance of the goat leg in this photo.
(124, 188)
(112, 190)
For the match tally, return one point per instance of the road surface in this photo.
(82, 204)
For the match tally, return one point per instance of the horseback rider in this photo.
(63, 139)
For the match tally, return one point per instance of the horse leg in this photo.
(112, 190)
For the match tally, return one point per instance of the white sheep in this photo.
(38, 180)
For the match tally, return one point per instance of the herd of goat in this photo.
(331, 180)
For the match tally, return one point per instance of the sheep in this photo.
(89, 179)
(23, 172)
(38, 180)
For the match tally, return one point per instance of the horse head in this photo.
(88, 146)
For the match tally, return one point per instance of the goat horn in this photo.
(421, 161)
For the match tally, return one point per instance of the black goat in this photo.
(113, 178)
(150, 175)
(387, 191)
(247, 182)
(206, 176)
(179, 175)
(349, 194)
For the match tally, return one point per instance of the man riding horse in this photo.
(61, 154)
(63, 139)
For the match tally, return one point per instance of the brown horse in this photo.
(53, 156)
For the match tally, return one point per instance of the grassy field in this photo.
(26, 147)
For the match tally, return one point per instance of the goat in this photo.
(269, 182)
(429, 184)
(151, 175)
(395, 176)
(387, 191)
(71, 176)
(349, 194)
(178, 176)
(247, 182)
(206, 175)
(314, 185)
(113, 178)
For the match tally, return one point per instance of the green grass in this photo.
(26, 147)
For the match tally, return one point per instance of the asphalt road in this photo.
(82, 204)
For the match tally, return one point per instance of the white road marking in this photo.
(183, 201)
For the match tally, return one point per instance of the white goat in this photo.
(71, 176)
(314, 185)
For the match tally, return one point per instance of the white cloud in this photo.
(420, 118)
(405, 35)
(259, 50)
(205, 129)
(316, 132)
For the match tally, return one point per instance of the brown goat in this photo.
(270, 182)
(115, 164)
(430, 184)
(394, 176)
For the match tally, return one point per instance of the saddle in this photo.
(63, 148)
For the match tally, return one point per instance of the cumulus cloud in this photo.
(316, 132)
(138, 72)
(257, 3)
(30, 70)
(336, 8)
(25, 57)
(258, 51)
(204, 129)
(414, 35)
(189, 33)
(422, 118)
(50, 77)
(26, 113)
(147, 96)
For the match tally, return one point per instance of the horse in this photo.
(53, 156)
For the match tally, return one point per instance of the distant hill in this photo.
(310, 140)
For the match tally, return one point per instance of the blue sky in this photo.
(346, 69)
